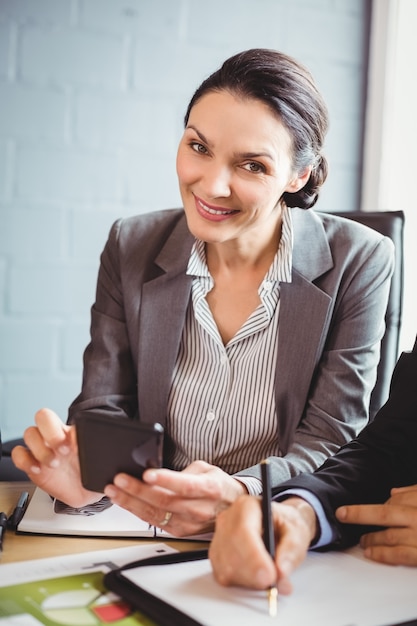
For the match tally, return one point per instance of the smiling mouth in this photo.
(212, 211)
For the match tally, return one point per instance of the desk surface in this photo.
(26, 547)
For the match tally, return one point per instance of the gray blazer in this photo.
(330, 326)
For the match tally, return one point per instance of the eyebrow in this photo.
(242, 155)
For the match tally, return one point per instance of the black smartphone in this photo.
(109, 445)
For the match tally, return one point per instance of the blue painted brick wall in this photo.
(92, 95)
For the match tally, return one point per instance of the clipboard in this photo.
(163, 613)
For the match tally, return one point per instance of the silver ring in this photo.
(166, 519)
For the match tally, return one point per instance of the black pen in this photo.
(268, 531)
(19, 511)
(3, 526)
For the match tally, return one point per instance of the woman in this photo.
(244, 323)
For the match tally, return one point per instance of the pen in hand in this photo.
(268, 531)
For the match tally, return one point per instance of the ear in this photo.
(299, 181)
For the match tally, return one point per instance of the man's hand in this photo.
(397, 542)
(237, 552)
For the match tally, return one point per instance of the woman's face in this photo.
(233, 165)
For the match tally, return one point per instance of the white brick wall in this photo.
(92, 96)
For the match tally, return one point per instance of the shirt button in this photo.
(211, 415)
(268, 285)
(223, 359)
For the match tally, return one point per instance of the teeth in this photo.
(213, 211)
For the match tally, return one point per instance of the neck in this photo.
(251, 253)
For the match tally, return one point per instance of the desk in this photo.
(320, 583)
(26, 547)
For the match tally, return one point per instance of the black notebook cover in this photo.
(155, 608)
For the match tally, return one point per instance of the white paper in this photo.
(55, 566)
(330, 589)
(41, 518)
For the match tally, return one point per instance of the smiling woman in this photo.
(245, 324)
(234, 164)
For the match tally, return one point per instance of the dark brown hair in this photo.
(288, 89)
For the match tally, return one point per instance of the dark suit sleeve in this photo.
(383, 456)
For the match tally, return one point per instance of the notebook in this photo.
(41, 518)
(330, 589)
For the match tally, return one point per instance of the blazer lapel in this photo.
(302, 331)
(161, 320)
(300, 342)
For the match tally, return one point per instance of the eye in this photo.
(198, 147)
(256, 168)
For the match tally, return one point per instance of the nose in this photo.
(217, 181)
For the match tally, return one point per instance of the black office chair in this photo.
(8, 471)
(391, 224)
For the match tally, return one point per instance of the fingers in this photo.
(237, 553)
(51, 459)
(45, 442)
(52, 428)
(389, 537)
(185, 485)
(24, 460)
(129, 492)
(50, 439)
(374, 514)
(150, 503)
(394, 546)
(295, 524)
(198, 480)
(141, 500)
(195, 496)
(397, 543)
(393, 555)
(200, 487)
(406, 496)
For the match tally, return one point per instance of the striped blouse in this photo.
(221, 407)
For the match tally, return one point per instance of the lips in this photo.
(212, 213)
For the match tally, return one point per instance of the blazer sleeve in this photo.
(108, 360)
(336, 407)
(383, 456)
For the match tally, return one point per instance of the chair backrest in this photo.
(391, 224)
(8, 471)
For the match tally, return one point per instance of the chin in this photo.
(210, 232)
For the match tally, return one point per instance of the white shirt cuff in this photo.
(252, 484)
(326, 534)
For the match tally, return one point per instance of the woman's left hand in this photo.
(183, 503)
(397, 542)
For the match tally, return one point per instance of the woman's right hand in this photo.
(51, 459)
